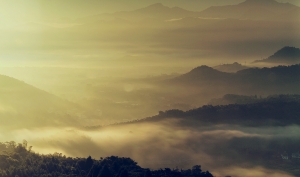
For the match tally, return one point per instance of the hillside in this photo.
(202, 73)
(288, 55)
(22, 105)
(19, 160)
(230, 68)
(264, 10)
(277, 110)
(263, 81)
(249, 134)
(155, 11)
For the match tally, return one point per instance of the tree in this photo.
(147, 173)
(124, 173)
(105, 172)
(89, 163)
(196, 170)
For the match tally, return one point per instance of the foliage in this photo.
(17, 160)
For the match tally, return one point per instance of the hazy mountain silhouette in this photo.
(28, 106)
(243, 110)
(289, 55)
(211, 74)
(155, 11)
(276, 80)
(255, 10)
(202, 73)
(248, 30)
(250, 9)
(230, 68)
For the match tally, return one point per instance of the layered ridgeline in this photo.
(153, 12)
(276, 110)
(268, 10)
(251, 132)
(286, 55)
(253, 28)
(206, 81)
(20, 160)
(230, 68)
(22, 105)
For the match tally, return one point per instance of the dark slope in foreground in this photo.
(22, 105)
(281, 110)
(19, 160)
(242, 135)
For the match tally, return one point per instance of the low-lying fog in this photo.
(222, 149)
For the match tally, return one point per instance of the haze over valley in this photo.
(168, 84)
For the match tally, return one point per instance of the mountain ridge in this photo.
(31, 106)
(254, 9)
(287, 54)
(230, 68)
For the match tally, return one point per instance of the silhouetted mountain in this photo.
(245, 99)
(235, 99)
(289, 55)
(255, 10)
(261, 81)
(22, 105)
(155, 11)
(250, 9)
(230, 68)
(202, 73)
(277, 110)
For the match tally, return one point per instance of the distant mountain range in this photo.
(255, 10)
(276, 110)
(154, 11)
(265, 81)
(250, 9)
(230, 68)
(253, 28)
(289, 55)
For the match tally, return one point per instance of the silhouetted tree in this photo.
(105, 172)
(147, 173)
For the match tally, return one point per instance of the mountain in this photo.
(268, 111)
(250, 9)
(289, 55)
(255, 10)
(246, 99)
(155, 11)
(22, 105)
(230, 68)
(279, 73)
(204, 82)
(202, 73)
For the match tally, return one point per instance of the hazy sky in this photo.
(66, 10)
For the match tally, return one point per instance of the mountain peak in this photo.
(286, 54)
(260, 2)
(202, 68)
(156, 6)
(206, 70)
(287, 51)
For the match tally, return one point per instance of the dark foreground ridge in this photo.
(276, 110)
(19, 160)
